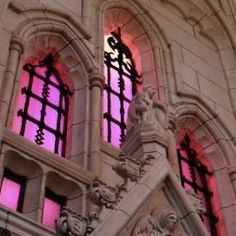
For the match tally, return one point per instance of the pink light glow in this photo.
(34, 109)
(115, 138)
(10, 192)
(115, 102)
(51, 211)
(211, 181)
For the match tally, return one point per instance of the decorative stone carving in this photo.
(197, 202)
(157, 224)
(72, 224)
(130, 169)
(143, 108)
(102, 194)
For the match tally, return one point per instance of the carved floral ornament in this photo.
(157, 223)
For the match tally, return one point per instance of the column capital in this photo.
(17, 44)
(96, 79)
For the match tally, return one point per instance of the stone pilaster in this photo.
(96, 81)
(15, 51)
(172, 154)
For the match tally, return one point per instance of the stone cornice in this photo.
(62, 165)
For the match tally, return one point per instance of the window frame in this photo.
(123, 52)
(59, 199)
(196, 167)
(62, 113)
(19, 179)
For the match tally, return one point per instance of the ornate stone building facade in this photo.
(118, 117)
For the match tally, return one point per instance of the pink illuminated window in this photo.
(194, 177)
(121, 84)
(51, 208)
(42, 106)
(12, 190)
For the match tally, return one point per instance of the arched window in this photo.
(195, 175)
(42, 107)
(121, 84)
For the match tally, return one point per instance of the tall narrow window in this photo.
(121, 84)
(194, 178)
(52, 206)
(12, 190)
(43, 106)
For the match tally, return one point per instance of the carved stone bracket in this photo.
(105, 195)
(130, 169)
(72, 224)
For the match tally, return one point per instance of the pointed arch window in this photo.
(121, 84)
(43, 106)
(194, 177)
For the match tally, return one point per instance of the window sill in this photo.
(23, 146)
(18, 224)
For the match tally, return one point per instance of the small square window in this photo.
(12, 190)
(52, 206)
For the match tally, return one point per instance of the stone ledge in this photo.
(18, 143)
(18, 224)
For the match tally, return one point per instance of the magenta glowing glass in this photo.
(10, 193)
(51, 211)
(115, 139)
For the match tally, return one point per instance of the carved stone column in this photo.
(96, 81)
(15, 51)
(172, 154)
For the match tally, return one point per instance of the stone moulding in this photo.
(159, 174)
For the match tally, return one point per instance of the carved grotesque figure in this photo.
(143, 107)
(71, 224)
(168, 221)
(157, 223)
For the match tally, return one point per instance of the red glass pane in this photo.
(115, 108)
(53, 95)
(186, 170)
(115, 139)
(41, 71)
(49, 141)
(10, 193)
(128, 88)
(54, 79)
(34, 108)
(51, 117)
(37, 86)
(114, 80)
(51, 211)
(30, 131)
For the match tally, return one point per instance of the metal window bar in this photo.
(64, 94)
(124, 69)
(196, 167)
